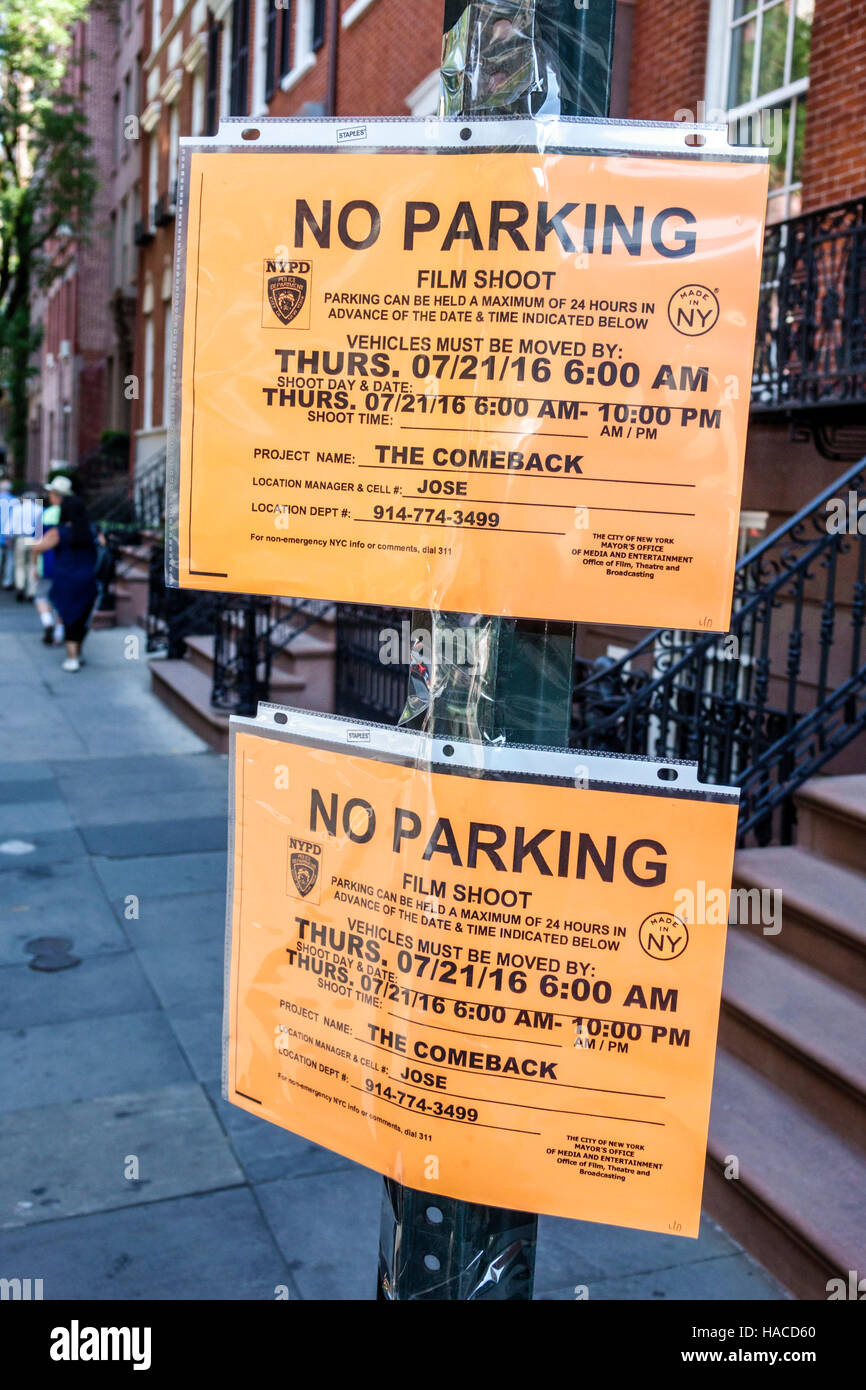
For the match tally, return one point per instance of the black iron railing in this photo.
(368, 686)
(139, 503)
(811, 341)
(242, 653)
(247, 632)
(148, 491)
(250, 632)
(175, 614)
(762, 707)
(772, 701)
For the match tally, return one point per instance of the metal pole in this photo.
(333, 58)
(518, 58)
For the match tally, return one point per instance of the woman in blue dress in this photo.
(74, 590)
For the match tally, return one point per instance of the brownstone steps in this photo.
(797, 1203)
(831, 819)
(790, 1085)
(185, 688)
(798, 1029)
(823, 908)
(131, 584)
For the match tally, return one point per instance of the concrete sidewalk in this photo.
(123, 1175)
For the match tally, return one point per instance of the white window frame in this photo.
(718, 73)
(354, 12)
(226, 19)
(122, 231)
(152, 176)
(258, 105)
(147, 402)
(116, 243)
(173, 149)
(198, 102)
(423, 100)
(303, 56)
(127, 102)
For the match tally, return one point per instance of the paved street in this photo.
(123, 1175)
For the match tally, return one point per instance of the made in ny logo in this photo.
(286, 294)
(304, 877)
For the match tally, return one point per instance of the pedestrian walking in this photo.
(73, 589)
(43, 578)
(10, 508)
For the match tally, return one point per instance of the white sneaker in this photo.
(71, 664)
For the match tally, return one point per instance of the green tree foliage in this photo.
(47, 180)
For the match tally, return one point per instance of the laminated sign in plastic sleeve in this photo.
(486, 366)
(490, 973)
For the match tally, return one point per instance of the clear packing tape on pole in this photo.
(488, 680)
(518, 57)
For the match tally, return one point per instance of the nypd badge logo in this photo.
(285, 301)
(303, 881)
(286, 295)
(305, 871)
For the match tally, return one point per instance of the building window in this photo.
(156, 29)
(319, 23)
(423, 100)
(213, 80)
(130, 263)
(197, 118)
(759, 74)
(152, 176)
(286, 42)
(270, 48)
(173, 152)
(126, 243)
(240, 58)
(147, 402)
(126, 111)
(122, 234)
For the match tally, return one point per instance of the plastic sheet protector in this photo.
(474, 968)
(495, 366)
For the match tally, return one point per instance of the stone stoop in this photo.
(789, 1099)
(131, 585)
(302, 676)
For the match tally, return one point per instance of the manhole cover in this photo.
(51, 953)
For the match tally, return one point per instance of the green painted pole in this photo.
(503, 58)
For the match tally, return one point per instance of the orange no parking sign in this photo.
(465, 967)
(484, 375)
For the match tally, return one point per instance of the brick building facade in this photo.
(68, 395)
(787, 70)
(793, 71)
(251, 57)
